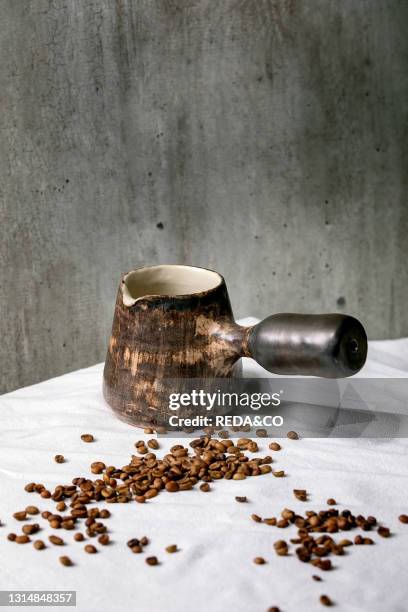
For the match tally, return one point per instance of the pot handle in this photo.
(326, 345)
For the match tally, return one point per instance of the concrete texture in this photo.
(265, 139)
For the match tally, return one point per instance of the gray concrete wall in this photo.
(269, 138)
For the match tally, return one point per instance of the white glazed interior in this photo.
(169, 280)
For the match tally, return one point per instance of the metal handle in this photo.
(326, 345)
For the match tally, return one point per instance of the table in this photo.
(218, 541)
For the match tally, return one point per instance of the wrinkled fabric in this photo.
(218, 541)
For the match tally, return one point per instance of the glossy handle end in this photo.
(328, 345)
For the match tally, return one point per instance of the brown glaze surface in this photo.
(168, 337)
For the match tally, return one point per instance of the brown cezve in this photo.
(175, 322)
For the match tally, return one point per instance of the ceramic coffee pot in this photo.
(174, 321)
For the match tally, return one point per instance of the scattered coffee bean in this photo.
(46, 514)
(172, 486)
(30, 528)
(39, 545)
(148, 430)
(275, 446)
(87, 438)
(104, 514)
(317, 578)
(205, 487)
(281, 548)
(259, 560)
(30, 487)
(300, 494)
(104, 539)
(274, 609)
(331, 502)
(79, 537)
(325, 600)
(403, 518)
(256, 518)
(97, 467)
(292, 435)
(11, 537)
(32, 510)
(22, 539)
(172, 548)
(90, 549)
(261, 433)
(153, 443)
(45, 494)
(57, 541)
(241, 499)
(20, 516)
(152, 561)
(59, 458)
(279, 474)
(64, 560)
(384, 532)
(61, 506)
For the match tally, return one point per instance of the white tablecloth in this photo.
(214, 569)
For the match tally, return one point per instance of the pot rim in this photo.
(129, 301)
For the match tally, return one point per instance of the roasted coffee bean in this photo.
(104, 514)
(384, 532)
(292, 435)
(20, 516)
(270, 521)
(22, 539)
(45, 494)
(152, 561)
(172, 548)
(279, 473)
(32, 510)
(30, 487)
(274, 609)
(403, 518)
(205, 487)
(150, 493)
(97, 467)
(30, 529)
(261, 433)
(172, 486)
(39, 545)
(46, 514)
(275, 446)
(61, 506)
(317, 578)
(137, 548)
(256, 518)
(259, 560)
(11, 537)
(59, 458)
(148, 430)
(153, 443)
(104, 539)
(64, 560)
(144, 541)
(133, 542)
(281, 548)
(331, 502)
(325, 600)
(241, 499)
(87, 438)
(90, 549)
(79, 537)
(300, 494)
(57, 541)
